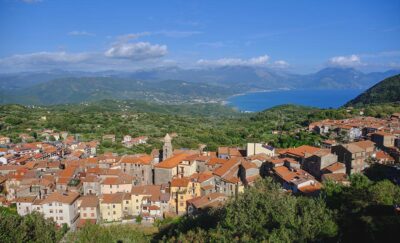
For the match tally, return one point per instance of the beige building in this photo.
(260, 148)
(112, 206)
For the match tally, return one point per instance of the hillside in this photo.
(386, 91)
(75, 90)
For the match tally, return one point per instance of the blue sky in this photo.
(295, 36)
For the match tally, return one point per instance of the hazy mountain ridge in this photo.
(166, 85)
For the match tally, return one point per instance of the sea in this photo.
(258, 101)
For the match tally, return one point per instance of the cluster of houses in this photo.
(67, 181)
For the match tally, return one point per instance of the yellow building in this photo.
(112, 206)
(181, 190)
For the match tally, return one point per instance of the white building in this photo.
(62, 208)
(24, 205)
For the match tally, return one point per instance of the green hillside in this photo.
(386, 91)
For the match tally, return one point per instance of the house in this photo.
(206, 180)
(296, 180)
(299, 153)
(109, 137)
(112, 185)
(181, 190)
(383, 139)
(167, 169)
(62, 208)
(111, 206)
(212, 200)
(228, 152)
(260, 148)
(142, 196)
(24, 205)
(328, 143)
(340, 178)
(233, 175)
(316, 162)
(91, 185)
(354, 155)
(89, 208)
(4, 140)
(140, 167)
(335, 168)
(384, 158)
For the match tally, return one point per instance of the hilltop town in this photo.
(67, 181)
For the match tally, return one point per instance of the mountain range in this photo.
(171, 85)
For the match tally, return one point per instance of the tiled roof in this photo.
(89, 201)
(180, 182)
(67, 198)
(172, 162)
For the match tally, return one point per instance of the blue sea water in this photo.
(258, 101)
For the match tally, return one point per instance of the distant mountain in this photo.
(75, 90)
(164, 85)
(385, 91)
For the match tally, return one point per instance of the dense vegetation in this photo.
(111, 233)
(31, 228)
(385, 91)
(362, 212)
(210, 124)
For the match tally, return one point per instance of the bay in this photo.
(327, 98)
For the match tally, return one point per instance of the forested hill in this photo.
(75, 90)
(386, 91)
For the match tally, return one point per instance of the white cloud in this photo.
(281, 64)
(345, 61)
(45, 58)
(80, 33)
(136, 51)
(255, 61)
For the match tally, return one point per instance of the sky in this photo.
(294, 36)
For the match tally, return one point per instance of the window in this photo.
(137, 200)
(50, 204)
(60, 211)
(126, 208)
(51, 211)
(113, 206)
(137, 207)
(127, 202)
(61, 218)
(59, 204)
(114, 212)
(84, 215)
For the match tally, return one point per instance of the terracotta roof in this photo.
(146, 190)
(25, 199)
(335, 167)
(381, 155)
(338, 177)
(202, 176)
(67, 198)
(172, 162)
(208, 200)
(132, 159)
(112, 198)
(122, 179)
(215, 160)
(226, 167)
(365, 144)
(310, 189)
(300, 151)
(89, 201)
(180, 182)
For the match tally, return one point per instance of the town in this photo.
(66, 180)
